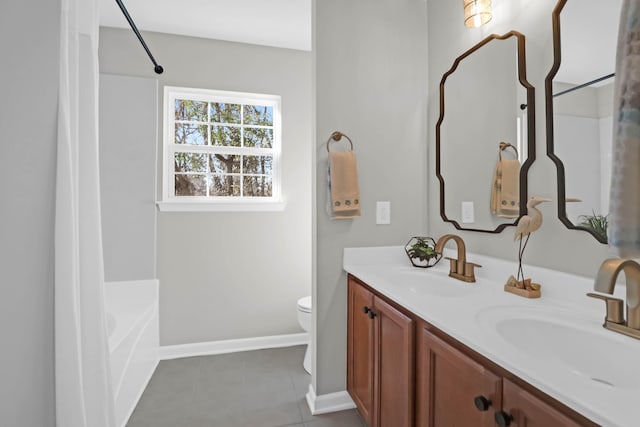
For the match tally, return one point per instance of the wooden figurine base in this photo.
(523, 288)
(527, 293)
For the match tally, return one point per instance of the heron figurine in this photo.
(526, 225)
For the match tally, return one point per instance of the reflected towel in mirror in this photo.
(505, 191)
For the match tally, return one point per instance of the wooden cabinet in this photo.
(453, 385)
(360, 350)
(452, 389)
(380, 358)
(393, 366)
(456, 389)
(523, 409)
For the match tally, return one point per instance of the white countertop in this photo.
(468, 312)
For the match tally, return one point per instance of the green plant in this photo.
(597, 223)
(422, 250)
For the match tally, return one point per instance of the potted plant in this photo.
(595, 222)
(421, 252)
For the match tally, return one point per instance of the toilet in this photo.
(304, 318)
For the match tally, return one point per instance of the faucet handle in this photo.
(469, 269)
(614, 308)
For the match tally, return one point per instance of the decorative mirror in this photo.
(579, 109)
(485, 143)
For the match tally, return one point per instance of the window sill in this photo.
(221, 206)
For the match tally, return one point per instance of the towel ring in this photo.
(337, 136)
(504, 146)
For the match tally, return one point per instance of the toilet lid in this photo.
(304, 304)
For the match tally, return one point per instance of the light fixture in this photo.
(476, 12)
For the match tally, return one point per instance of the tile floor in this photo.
(263, 388)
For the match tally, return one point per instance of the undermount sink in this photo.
(433, 283)
(557, 337)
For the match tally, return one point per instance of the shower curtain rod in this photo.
(599, 79)
(157, 68)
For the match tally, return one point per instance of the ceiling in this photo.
(589, 37)
(589, 27)
(278, 23)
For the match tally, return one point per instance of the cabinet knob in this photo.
(369, 311)
(503, 418)
(482, 403)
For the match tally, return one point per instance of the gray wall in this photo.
(29, 43)
(371, 84)
(585, 102)
(128, 141)
(553, 246)
(583, 121)
(577, 141)
(210, 288)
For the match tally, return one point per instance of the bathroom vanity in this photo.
(428, 350)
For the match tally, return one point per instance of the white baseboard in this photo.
(330, 402)
(231, 346)
(134, 402)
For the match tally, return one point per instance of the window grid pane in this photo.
(190, 110)
(220, 112)
(224, 185)
(257, 165)
(192, 134)
(190, 185)
(190, 162)
(225, 136)
(221, 163)
(257, 186)
(258, 137)
(258, 115)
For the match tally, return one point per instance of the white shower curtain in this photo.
(83, 390)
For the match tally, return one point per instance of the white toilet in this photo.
(304, 318)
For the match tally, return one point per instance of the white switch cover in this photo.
(467, 213)
(383, 212)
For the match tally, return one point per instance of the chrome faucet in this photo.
(606, 281)
(459, 268)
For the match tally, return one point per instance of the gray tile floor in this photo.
(263, 388)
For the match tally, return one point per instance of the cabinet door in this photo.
(360, 349)
(394, 367)
(449, 383)
(522, 409)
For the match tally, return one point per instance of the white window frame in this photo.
(171, 202)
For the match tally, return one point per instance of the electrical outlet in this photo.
(467, 213)
(383, 212)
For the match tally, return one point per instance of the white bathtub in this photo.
(132, 321)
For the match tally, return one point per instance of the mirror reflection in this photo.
(482, 135)
(582, 111)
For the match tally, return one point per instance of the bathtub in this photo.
(132, 322)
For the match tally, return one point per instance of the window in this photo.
(221, 149)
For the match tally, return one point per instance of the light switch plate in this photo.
(467, 213)
(383, 212)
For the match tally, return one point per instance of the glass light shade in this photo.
(476, 12)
